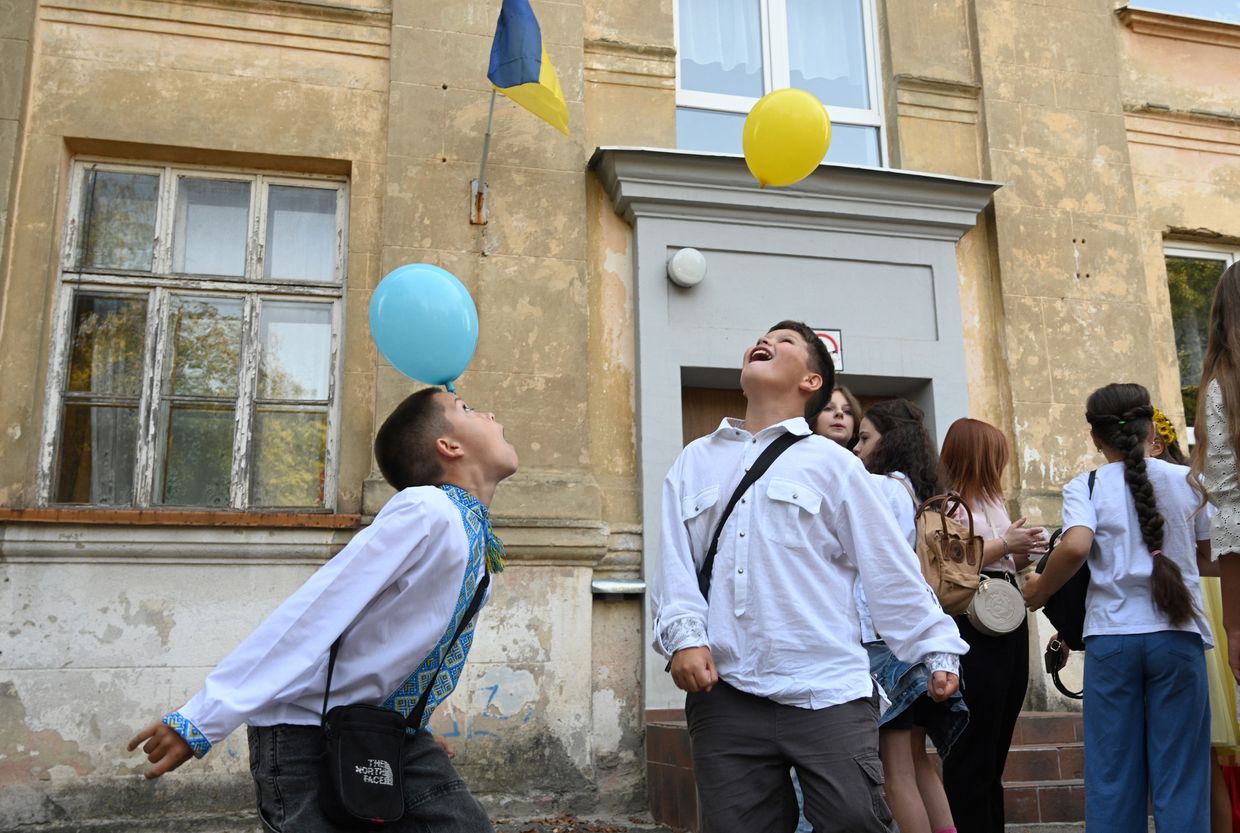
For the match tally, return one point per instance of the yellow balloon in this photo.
(786, 136)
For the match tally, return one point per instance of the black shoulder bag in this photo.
(759, 467)
(361, 774)
(1066, 611)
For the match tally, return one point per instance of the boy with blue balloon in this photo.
(396, 600)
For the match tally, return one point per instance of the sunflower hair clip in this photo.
(1164, 428)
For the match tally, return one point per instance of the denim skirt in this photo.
(904, 684)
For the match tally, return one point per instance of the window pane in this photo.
(853, 145)
(105, 354)
(1227, 10)
(197, 457)
(97, 447)
(709, 130)
(719, 132)
(301, 234)
(1191, 282)
(118, 220)
(826, 51)
(206, 346)
(721, 46)
(211, 222)
(296, 345)
(289, 465)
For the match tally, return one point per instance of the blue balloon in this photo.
(424, 322)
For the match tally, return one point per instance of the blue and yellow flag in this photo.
(520, 68)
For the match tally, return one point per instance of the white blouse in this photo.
(1220, 475)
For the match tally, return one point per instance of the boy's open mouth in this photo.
(760, 354)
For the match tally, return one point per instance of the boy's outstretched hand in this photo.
(164, 748)
(693, 669)
(943, 684)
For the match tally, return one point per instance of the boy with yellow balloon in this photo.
(786, 136)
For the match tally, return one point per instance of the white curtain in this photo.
(826, 38)
(724, 32)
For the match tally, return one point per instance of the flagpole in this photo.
(478, 189)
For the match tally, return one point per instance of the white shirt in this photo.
(392, 592)
(1120, 598)
(901, 502)
(782, 622)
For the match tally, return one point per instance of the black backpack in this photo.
(1066, 607)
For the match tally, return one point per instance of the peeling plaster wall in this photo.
(107, 627)
(545, 716)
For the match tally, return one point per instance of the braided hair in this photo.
(1121, 417)
(905, 446)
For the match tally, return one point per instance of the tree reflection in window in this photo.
(103, 388)
(200, 405)
(1191, 282)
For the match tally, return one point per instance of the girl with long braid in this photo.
(1147, 714)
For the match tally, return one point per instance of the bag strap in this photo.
(414, 719)
(1055, 664)
(1093, 478)
(908, 487)
(754, 472)
(946, 505)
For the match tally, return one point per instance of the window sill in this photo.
(177, 517)
(1180, 27)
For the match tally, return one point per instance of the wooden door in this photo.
(702, 409)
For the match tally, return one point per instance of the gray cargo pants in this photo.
(744, 745)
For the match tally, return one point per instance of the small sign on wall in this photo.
(834, 339)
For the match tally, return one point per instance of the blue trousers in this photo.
(1147, 731)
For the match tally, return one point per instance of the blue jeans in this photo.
(285, 760)
(1147, 730)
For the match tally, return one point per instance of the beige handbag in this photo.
(997, 607)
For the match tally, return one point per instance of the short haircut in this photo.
(819, 362)
(405, 444)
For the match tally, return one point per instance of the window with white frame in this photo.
(198, 320)
(732, 52)
(1192, 275)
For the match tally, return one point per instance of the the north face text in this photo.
(379, 772)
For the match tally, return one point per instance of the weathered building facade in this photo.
(197, 198)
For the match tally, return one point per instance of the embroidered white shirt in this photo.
(782, 622)
(392, 592)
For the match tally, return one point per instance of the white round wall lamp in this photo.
(686, 268)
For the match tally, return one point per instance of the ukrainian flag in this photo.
(520, 68)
